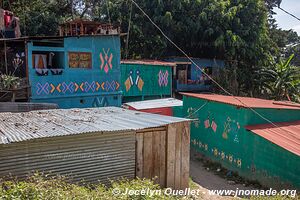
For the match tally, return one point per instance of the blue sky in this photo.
(284, 20)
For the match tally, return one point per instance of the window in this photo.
(183, 73)
(80, 60)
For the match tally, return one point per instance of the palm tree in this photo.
(282, 82)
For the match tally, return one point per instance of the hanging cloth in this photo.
(40, 61)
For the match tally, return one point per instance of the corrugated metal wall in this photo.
(237, 149)
(149, 74)
(89, 157)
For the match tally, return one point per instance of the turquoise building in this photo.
(72, 71)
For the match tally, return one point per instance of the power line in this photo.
(289, 13)
(183, 52)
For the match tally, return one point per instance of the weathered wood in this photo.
(148, 156)
(156, 156)
(162, 128)
(139, 155)
(185, 155)
(171, 137)
(179, 132)
(162, 166)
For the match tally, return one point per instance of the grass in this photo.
(42, 187)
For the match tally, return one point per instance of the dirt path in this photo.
(208, 180)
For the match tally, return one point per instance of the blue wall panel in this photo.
(196, 73)
(79, 87)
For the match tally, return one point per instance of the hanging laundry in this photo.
(40, 61)
(50, 60)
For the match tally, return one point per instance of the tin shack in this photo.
(188, 77)
(146, 79)
(168, 106)
(96, 145)
(71, 71)
(230, 133)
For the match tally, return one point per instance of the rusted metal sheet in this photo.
(285, 135)
(148, 62)
(17, 127)
(247, 101)
(90, 157)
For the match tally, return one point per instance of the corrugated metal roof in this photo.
(26, 38)
(148, 62)
(286, 135)
(25, 106)
(17, 127)
(157, 103)
(250, 102)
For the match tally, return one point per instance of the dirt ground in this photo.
(208, 180)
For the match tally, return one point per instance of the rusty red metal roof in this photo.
(148, 62)
(285, 135)
(247, 101)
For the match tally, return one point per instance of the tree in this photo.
(41, 17)
(202, 28)
(281, 82)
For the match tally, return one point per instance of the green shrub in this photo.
(42, 187)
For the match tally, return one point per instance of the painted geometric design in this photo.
(72, 87)
(67, 87)
(110, 86)
(210, 123)
(163, 78)
(42, 88)
(90, 86)
(231, 126)
(138, 81)
(106, 60)
(140, 84)
(127, 84)
(100, 103)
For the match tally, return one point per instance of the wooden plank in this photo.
(162, 167)
(156, 156)
(171, 137)
(139, 155)
(179, 132)
(185, 156)
(148, 165)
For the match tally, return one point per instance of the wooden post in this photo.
(171, 138)
(81, 29)
(139, 155)
(156, 155)
(5, 57)
(148, 159)
(162, 173)
(27, 71)
(71, 29)
(178, 156)
(185, 155)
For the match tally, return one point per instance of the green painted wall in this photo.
(178, 111)
(152, 84)
(237, 149)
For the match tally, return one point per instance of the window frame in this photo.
(79, 61)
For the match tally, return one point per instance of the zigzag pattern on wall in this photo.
(73, 87)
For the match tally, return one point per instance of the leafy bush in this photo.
(9, 82)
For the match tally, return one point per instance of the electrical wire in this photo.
(191, 114)
(183, 52)
(289, 13)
